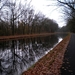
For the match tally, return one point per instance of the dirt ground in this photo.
(51, 63)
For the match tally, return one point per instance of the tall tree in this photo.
(15, 11)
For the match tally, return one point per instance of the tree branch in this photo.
(68, 4)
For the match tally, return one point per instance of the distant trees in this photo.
(71, 25)
(17, 18)
(39, 25)
(4, 28)
(63, 29)
(49, 25)
(69, 9)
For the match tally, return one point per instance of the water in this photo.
(16, 56)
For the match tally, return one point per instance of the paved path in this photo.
(68, 66)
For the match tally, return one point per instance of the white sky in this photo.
(52, 12)
(49, 11)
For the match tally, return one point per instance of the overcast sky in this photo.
(47, 8)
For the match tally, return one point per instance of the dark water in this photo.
(17, 56)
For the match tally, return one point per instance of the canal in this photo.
(17, 56)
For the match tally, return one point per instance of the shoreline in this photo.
(13, 37)
(50, 64)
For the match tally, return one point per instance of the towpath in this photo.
(68, 66)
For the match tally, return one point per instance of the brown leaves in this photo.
(50, 64)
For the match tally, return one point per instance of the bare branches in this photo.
(2, 4)
(70, 13)
(69, 3)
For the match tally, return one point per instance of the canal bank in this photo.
(68, 66)
(50, 64)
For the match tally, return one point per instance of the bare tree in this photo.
(69, 7)
(69, 3)
(3, 3)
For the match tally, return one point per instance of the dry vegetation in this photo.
(50, 64)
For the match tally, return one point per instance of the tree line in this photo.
(17, 18)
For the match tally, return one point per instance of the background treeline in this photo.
(38, 25)
(19, 18)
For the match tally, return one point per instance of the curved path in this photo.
(68, 66)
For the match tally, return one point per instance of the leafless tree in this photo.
(16, 11)
(69, 6)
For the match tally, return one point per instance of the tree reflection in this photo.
(19, 55)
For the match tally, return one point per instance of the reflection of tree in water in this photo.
(62, 35)
(50, 41)
(21, 54)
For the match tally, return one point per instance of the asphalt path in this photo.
(68, 66)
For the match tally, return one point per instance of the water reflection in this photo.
(18, 55)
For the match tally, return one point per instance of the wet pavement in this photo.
(68, 66)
